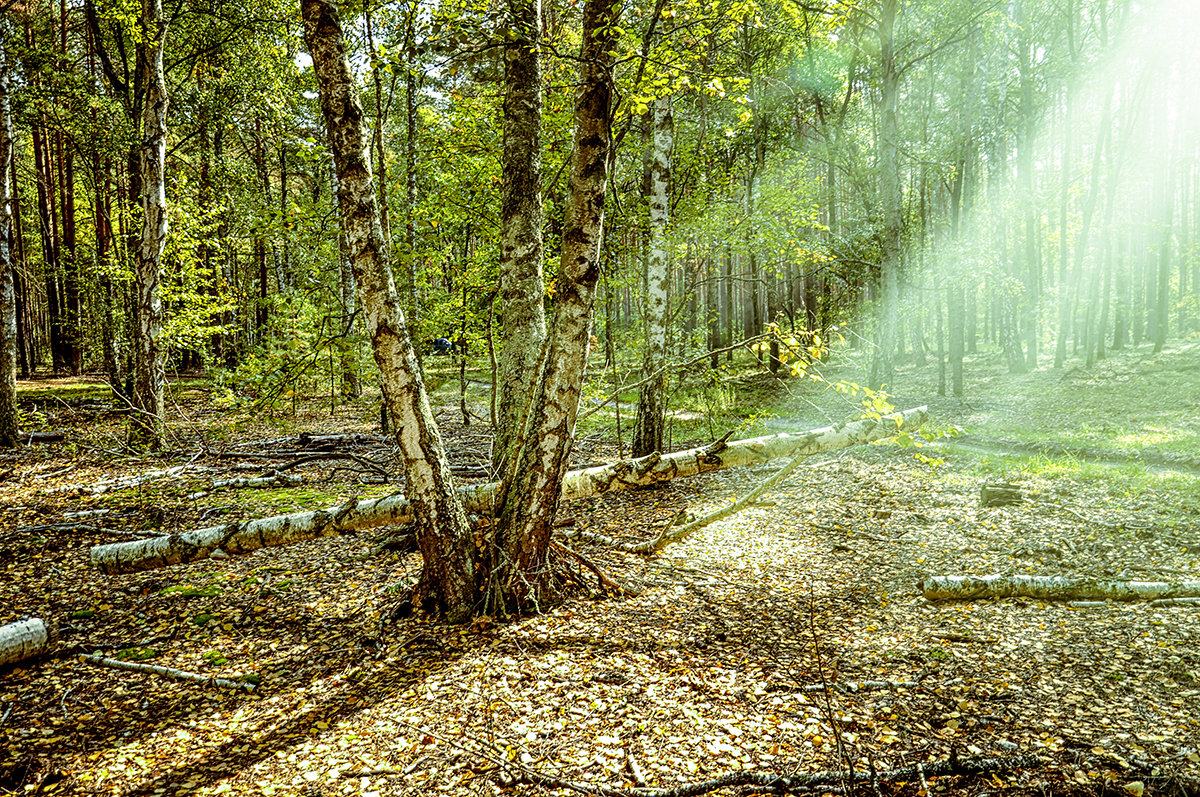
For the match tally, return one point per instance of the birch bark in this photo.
(8, 297)
(148, 421)
(523, 314)
(520, 575)
(442, 530)
(651, 412)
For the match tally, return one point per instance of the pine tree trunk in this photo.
(523, 314)
(147, 423)
(651, 411)
(442, 531)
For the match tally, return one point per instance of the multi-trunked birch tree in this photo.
(507, 567)
(510, 573)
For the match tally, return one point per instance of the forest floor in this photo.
(729, 660)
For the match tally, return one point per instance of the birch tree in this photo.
(8, 303)
(648, 428)
(442, 531)
(520, 573)
(149, 373)
(523, 314)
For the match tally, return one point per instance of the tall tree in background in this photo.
(149, 358)
(891, 197)
(8, 304)
(651, 411)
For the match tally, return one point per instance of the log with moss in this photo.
(393, 510)
(1053, 588)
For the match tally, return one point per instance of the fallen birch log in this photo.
(1159, 602)
(166, 672)
(22, 640)
(252, 482)
(796, 782)
(394, 510)
(937, 588)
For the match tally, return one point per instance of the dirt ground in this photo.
(741, 652)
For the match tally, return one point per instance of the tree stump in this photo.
(999, 495)
(22, 640)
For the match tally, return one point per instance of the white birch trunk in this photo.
(22, 640)
(443, 533)
(651, 411)
(148, 422)
(354, 515)
(9, 437)
(1053, 588)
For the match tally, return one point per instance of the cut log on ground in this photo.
(999, 495)
(1053, 588)
(166, 672)
(394, 510)
(22, 640)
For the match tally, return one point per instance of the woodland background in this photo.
(1026, 172)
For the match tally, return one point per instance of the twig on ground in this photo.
(605, 580)
(850, 687)
(166, 672)
(635, 771)
(767, 780)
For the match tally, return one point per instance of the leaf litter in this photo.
(788, 638)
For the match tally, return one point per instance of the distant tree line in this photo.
(931, 177)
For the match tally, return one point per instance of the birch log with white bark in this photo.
(1053, 588)
(22, 640)
(394, 510)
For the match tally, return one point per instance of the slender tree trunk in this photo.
(381, 114)
(442, 530)
(891, 199)
(26, 353)
(523, 314)
(48, 223)
(411, 87)
(651, 411)
(262, 308)
(521, 579)
(104, 245)
(149, 362)
(351, 384)
(9, 432)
